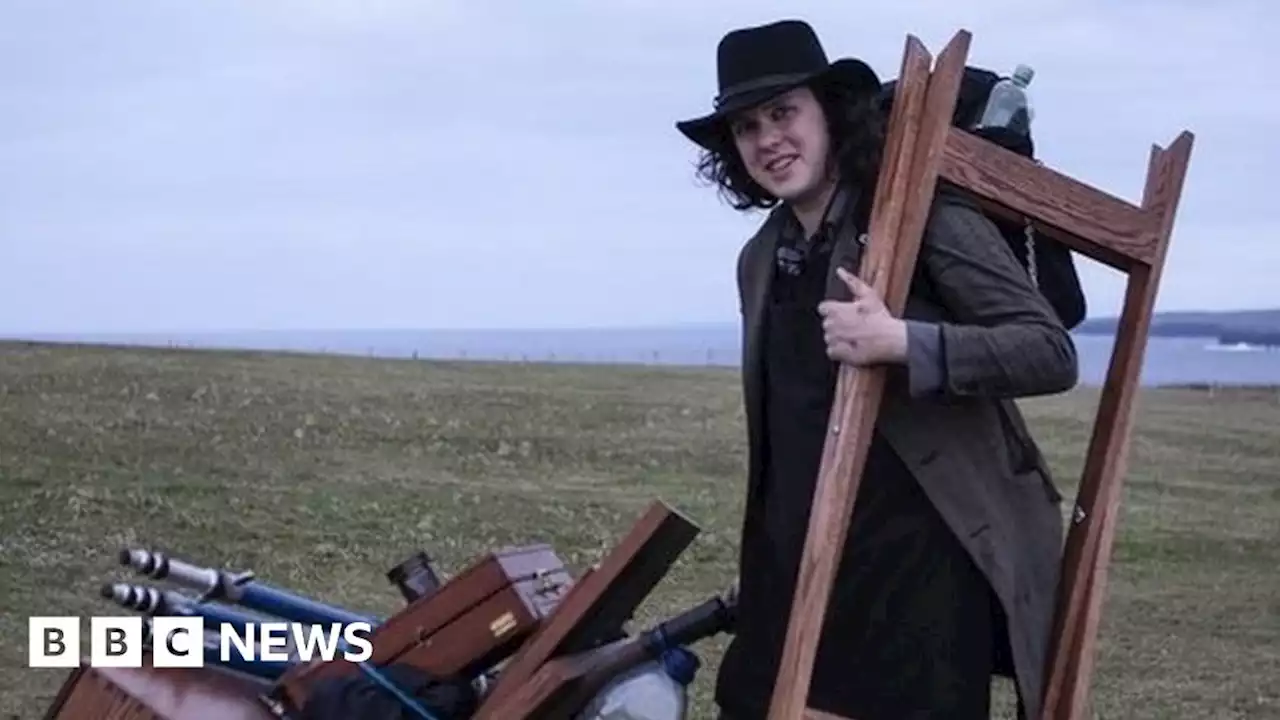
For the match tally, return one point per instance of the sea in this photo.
(1168, 360)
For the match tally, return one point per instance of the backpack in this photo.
(1050, 264)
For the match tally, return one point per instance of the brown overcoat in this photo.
(968, 445)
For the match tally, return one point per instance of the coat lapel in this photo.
(758, 281)
(848, 242)
(845, 253)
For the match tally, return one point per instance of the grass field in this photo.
(321, 472)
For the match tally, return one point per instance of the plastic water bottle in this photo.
(656, 690)
(1009, 104)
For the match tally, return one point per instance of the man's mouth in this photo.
(779, 164)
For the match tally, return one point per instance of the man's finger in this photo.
(842, 352)
(828, 308)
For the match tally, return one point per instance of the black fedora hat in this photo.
(757, 63)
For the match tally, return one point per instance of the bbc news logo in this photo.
(183, 642)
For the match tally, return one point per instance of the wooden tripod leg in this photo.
(1093, 524)
(918, 127)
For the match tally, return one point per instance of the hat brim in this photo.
(705, 131)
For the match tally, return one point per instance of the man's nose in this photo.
(770, 136)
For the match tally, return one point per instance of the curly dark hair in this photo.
(857, 123)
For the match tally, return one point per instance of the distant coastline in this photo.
(1198, 349)
(1233, 328)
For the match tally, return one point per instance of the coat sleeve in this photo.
(1003, 340)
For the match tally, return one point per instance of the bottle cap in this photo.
(681, 664)
(1023, 73)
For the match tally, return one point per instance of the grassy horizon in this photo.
(321, 472)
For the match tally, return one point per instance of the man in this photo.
(950, 568)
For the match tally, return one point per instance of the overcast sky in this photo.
(247, 164)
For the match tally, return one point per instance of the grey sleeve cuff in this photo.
(926, 371)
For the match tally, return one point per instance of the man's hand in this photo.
(862, 332)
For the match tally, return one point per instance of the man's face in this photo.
(784, 144)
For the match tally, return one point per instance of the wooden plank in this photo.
(918, 125)
(1089, 544)
(599, 603)
(565, 684)
(1086, 219)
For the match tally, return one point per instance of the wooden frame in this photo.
(922, 148)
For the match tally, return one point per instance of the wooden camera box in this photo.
(465, 627)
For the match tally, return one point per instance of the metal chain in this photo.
(1029, 232)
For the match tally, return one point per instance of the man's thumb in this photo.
(856, 286)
